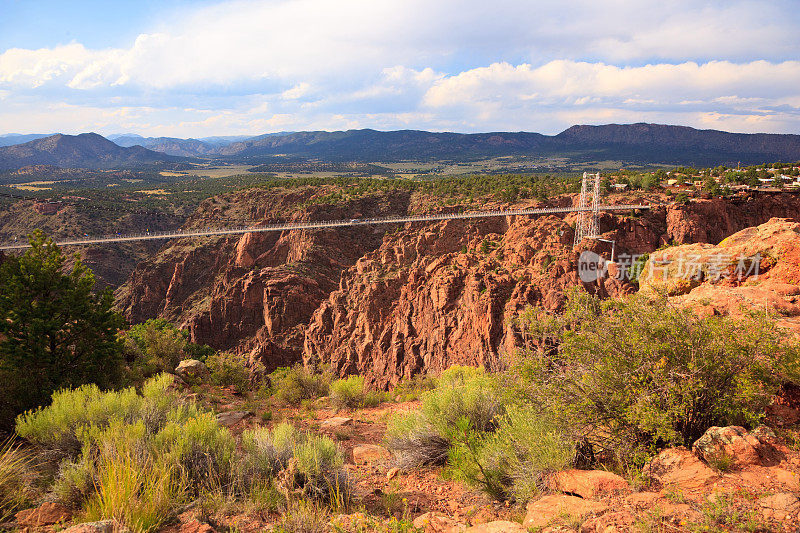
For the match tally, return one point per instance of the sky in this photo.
(196, 68)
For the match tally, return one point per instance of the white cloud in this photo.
(579, 83)
(246, 66)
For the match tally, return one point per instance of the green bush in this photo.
(515, 460)
(229, 370)
(292, 385)
(348, 393)
(202, 449)
(312, 464)
(54, 330)
(425, 437)
(631, 375)
(129, 456)
(413, 388)
(158, 346)
(61, 426)
(154, 346)
(303, 517)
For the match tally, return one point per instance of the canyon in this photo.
(391, 302)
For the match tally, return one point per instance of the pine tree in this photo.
(55, 331)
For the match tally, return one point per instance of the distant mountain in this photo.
(629, 143)
(10, 139)
(680, 144)
(372, 145)
(207, 146)
(87, 150)
(639, 143)
(168, 145)
(226, 140)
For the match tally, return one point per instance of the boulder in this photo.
(497, 526)
(231, 418)
(192, 371)
(47, 514)
(679, 466)
(589, 484)
(733, 444)
(545, 510)
(642, 500)
(369, 453)
(336, 422)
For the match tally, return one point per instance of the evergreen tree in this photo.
(54, 331)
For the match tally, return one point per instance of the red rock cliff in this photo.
(254, 294)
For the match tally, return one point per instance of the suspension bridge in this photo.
(306, 225)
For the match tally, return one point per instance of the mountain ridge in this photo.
(640, 143)
(86, 150)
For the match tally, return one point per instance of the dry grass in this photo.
(15, 473)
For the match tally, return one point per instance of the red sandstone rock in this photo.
(616, 522)
(195, 526)
(254, 294)
(589, 484)
(46, 514)
(387, 306)
(680, 467)
(732, 443)
(543, 511)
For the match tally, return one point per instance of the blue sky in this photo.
(198, 68)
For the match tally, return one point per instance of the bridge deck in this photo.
(285, 226)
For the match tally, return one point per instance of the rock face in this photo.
(753, 268)
(438, 295)
(389, 302)
(254, 294)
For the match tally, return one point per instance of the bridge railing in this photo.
(311, 224)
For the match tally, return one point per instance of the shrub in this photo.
(140, 493)
(102, 435)
(154, 346)
(415, 442)
(201, 448)
(310, 464)
(515, 460)
(292, 385)
(303, 517)
(229, 370)
(54, 331)
(348, 393)
(424, 437)
(59, 427)
(74, 481)
(15, 472)
(413, 387)
(634, 374)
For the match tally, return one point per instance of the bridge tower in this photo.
(586, 225)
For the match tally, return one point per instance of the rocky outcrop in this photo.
(755, 268)
(389, 302)
(443, 294)
(254, 294)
